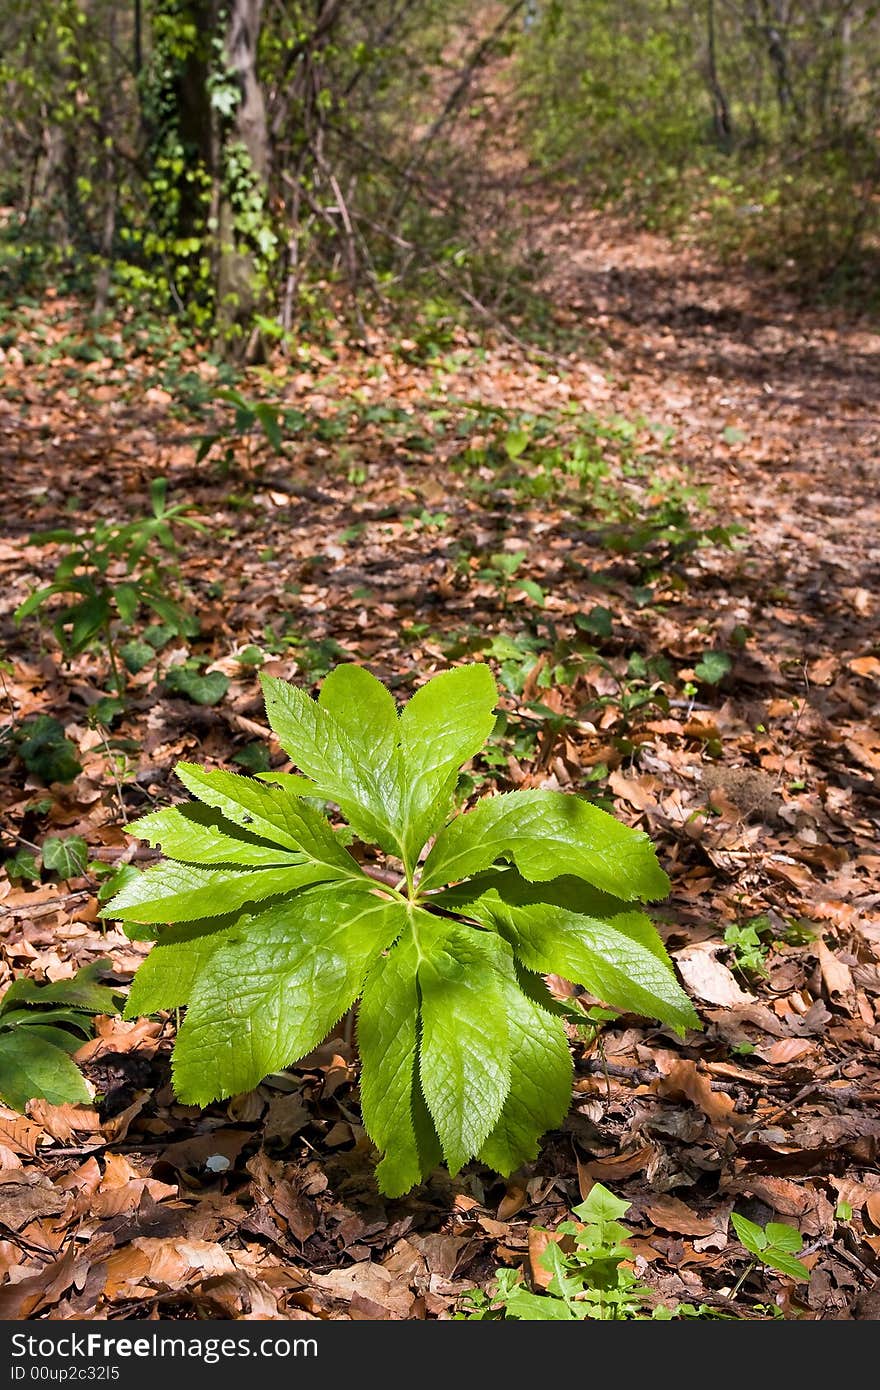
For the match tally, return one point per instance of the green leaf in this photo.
(297, 786)
(253, 757)
(275, 988)
(465, 1056)
(168, 976)
(749, 1234)
(136, 655)
(600, 1206)
(532, 591)
(541, 1078)
(57, 1037)
(36, 598)
(773, 1245)
(394, 1110)
(515, 443)
(172, 892)
(341, 769)
(443, 725)
(67, 857)
(273, 813)
(713, 667)
(22, 865)
(126, 873)
(782, 1237)
(85, 620)
(15, 1018)
(200, 835)
(47, 753)
(127, 601)
(786, 1264)
(547, 834)
(599, 621)
(362, 706)
(30, 1067)
(268, 417)
(81, 992)
(207, 689)
(621, 961)
(524, 1306)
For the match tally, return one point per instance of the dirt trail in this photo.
(707, 349)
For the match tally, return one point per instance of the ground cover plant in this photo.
(463, 1050)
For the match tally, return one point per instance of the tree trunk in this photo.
(243, 169)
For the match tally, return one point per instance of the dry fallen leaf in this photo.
(708, 979)
(370, 1281)
(836, 975)
(684, 1080)
(671, 1214)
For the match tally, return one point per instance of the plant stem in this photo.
(752, 1265)
(112, 657)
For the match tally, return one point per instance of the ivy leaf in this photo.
(22, 864)
(713, 667)
(136, 654)
(464, 1061)
(547, 834)
(207, 689)
(66, 856)
(394, 1109)
(47, 753)
(276, 986)
(31, 1066)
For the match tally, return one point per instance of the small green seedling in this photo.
(748, 950)
(502, 570)
(591, 1280)
(248, 416)
(278, 929)
(40, 1025)
(87, 571)
(775, 1245)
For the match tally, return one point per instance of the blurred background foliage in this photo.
(226, 161)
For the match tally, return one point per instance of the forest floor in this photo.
(718, 689)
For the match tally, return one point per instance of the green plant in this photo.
(749, 951)
(247, 416)
(278, 929)
(87, 571)
(712, 667)
(66, 856)
(503, 571)
(39, 1026)
(775, 1245)
(46, 751)
(591, 1274)
(203, 688)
